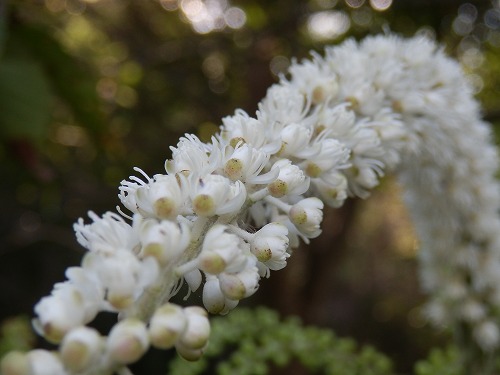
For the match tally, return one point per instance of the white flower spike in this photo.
(330, 130)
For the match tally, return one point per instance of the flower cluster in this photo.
(327, 131)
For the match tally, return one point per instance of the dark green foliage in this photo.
(252, 342)
(16, 334)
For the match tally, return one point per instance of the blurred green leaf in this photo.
(25, 99)
(3, 25)
(16, 334)
(70, 81)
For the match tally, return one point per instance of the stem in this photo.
(259, 195)
(241, 232)
(159, 292)
(285, 207)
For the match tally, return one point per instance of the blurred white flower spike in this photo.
(329, 131)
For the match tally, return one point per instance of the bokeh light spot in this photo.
(380, 5)
(328, 24)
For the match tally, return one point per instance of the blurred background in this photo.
(91, 88)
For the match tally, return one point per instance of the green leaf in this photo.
(3, 25)
(25, 99)
(71, 81)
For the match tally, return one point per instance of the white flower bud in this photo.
(164, 240)
(59, 313)
(291, 180)
(123, 275)
(106, 234)
(188, 353)
(191, 156)
(127, 341)
(246, 163)
(243, 128)
(332, 187)
(220, 250)
(15, 363)
(193, 279)
(332, 154)
(270, 244)
(198, 328)
(162, 198)
(166, 326)
(295, 138)
(44, 362)
(213, 298)
(217, 195)
(81, 348)
(307, 215)
(240, 285)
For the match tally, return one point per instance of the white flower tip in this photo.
(167, 325)
(212, 263)
(198, 328)
(120, 301)
(15, 363)
(278, 188)
(165, 208)
(128, 341)
(204, 205)
(187, 353)
(234, 169)
(80, 348)
(52, 331)
(44, 362)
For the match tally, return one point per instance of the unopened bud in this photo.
(44, 362)
(240, 285)
(80, 348)
(166, 325)
(198, 328)
(204, 205)
(15, 363)
(187, 353)
(128, 341)
(213, 299)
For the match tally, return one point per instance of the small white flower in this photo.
(270, 244)
(242, 128)
(127, 341)
(332, 188)
(192, 156)
(220, 251)
(165, 197)
(307, 215)
(295, 140)
(107, 234)
(217, 195)
(164, 240)
(81, 349)
(60, 312)
(283, 104)
(44, 362)
(240, 285)
(245, 163)
(332, 154)
(312, 79)
(197, 332)
(291, 180)
(214, 300)
(122, 275)
(168, 324)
